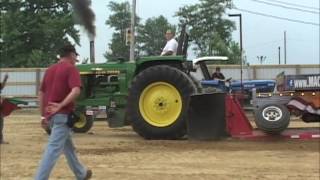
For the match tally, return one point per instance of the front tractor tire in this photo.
(84, 123)
(272, 118)
(157, 102)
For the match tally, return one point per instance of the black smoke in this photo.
(85, 15)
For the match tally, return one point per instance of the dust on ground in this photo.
(120, 154)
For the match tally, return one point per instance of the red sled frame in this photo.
(238, 126)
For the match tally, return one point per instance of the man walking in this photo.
(58, 91)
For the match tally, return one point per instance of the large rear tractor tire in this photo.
(157, 102)
(272, 118)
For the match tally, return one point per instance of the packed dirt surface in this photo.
(120, 154)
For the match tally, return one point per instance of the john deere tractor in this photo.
(151, 94)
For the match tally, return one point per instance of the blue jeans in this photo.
(60, 142)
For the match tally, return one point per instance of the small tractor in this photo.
(242, 89)
(273, 101)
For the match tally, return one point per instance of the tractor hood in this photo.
(209, 58)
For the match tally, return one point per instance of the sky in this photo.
(262, 36)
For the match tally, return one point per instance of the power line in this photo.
(286, 7)
(293, 4)
(301, 40)
(277, 17)
(262, 44)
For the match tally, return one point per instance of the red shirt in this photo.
(58, 81)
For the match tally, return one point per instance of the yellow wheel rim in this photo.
(82, 121)
(160, 104)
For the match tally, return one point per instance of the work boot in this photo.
(88, 175)
(4, 142)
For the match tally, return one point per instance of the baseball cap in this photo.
(67, 49)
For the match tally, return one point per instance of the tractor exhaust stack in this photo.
(92, 52)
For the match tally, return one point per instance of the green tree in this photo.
(151, 37)
(210, 32)
(120, 21)
(32, 31)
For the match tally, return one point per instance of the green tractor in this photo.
(150, 94)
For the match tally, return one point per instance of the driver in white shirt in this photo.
(171, 46)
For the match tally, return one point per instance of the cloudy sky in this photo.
(261, 35)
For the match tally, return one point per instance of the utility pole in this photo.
(241, 59)
(285, 47)
(279, 52)
(133, 23)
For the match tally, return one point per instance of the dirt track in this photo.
(120, 154)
